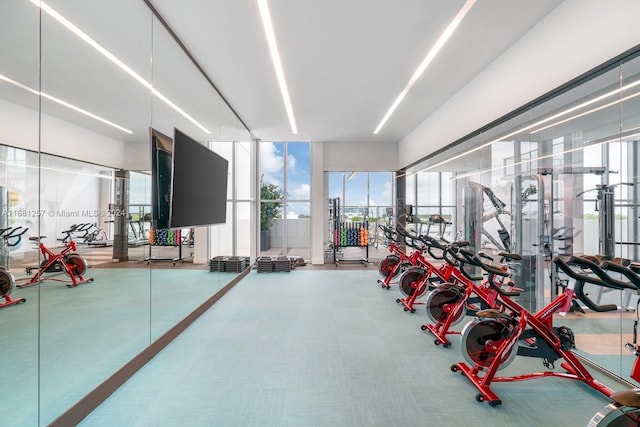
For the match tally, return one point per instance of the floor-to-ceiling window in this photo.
(233, 238)
(363, 196)
(285, 189)
(431, 193)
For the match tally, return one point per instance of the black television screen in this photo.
(199, 184)
(161, 165)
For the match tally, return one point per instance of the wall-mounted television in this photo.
(189, 182)
(199, 184)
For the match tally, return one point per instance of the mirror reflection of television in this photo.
(161, 176)
(199, 184)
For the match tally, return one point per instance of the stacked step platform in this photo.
(231, 264)
(271, 264)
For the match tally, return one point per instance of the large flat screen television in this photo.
(198, 185)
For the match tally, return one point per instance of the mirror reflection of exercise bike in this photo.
(67, 261)
(11, 237)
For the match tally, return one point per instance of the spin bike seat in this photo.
(630, 398)
(625, 262)
(36, 238)
(635, 267)
(596, 258)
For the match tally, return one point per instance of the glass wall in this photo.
(77, 100)
(435, 197)
(558, 179)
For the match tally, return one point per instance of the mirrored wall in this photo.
(81, 84)
(560, 178)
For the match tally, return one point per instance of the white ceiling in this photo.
(345, 60)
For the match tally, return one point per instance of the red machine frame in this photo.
(542, 324)
(74, 269)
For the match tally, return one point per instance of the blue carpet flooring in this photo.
(63, 342)
(326, 348)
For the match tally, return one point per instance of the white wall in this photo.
(575, 37)
(138, 156)
(19, 129)
(361, 157)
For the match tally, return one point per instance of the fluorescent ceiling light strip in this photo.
(277, 63)
(64, 103)
(602, 107)
(19, 165)
(547, 156)
(427, 60)
(585, 104)
(84, 36)
(545, 120)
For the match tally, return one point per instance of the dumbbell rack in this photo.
(347, 234)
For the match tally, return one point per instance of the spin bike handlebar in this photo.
(633, 277)
(410, 240)
(603, 279)
(493, 271)
(388, 233)
(13, 234)
(432, 243)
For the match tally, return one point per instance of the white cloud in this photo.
(271, 162)
(291, 163)
(302, 191)
(388, 186)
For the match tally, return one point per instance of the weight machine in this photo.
(532, 269)
(605, 206)
(480, 206)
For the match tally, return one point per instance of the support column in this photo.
(119, 208)
(401, 199)
(319, 211)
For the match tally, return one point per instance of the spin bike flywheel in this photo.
(616, 415)
(443, 299)
(6, 282)
(410, 281)
(78, 265)
(482, 337)
(387, 264)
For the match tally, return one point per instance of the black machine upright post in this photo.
(606, 220)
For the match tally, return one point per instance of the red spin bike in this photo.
(67, 261)
(492, 340)
(448, 303)
(397, 261)
(417, 280)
